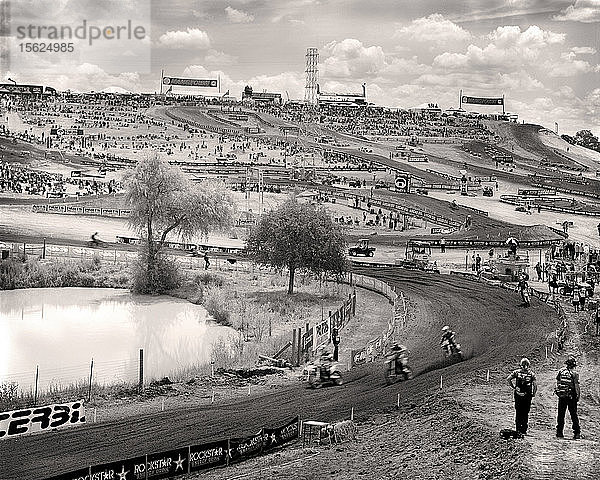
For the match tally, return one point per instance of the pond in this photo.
(60, 330)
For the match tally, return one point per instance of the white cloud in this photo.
(434, 29)
(350, 58)
(191, 38)
(215, 57)
(509, 47)
(238, 16)
(585, 11)
(583, 50)
(568, 66)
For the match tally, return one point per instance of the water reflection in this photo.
(61, 330)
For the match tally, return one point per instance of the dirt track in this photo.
(491, 325)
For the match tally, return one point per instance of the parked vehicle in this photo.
(362, 248)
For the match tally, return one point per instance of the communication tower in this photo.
(312, 76)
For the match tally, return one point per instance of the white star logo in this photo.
(273, 438)
(179, 463)
(123, 474)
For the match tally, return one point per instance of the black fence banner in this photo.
(482, 100)
(167, 464)
(189, 82)
(243, 448)
(209, 455)
(274, 437)
(82, 474)
(131, 469)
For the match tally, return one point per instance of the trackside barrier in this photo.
(69, 209)
(397, 320)
(193, 458)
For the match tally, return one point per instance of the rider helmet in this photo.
(445, 328)
(571, 361)
(525, 362)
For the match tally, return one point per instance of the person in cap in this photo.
(523, 382)
(567, 390)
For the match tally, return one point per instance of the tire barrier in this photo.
(190, 459)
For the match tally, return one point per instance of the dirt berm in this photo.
(494, 329)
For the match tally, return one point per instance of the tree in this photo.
(298, 236)
(587, 139)
(164, 201)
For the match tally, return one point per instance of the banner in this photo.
(130, 469)
(209, 455)
(167, 464)
(321, 335)
(482, 100)
(242, 448)
(39, 419)
(359, 356)
(402, 183)
(189, 82)
(275, 437)
(8, 88)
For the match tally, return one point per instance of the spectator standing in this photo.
(206, 261)
(567, 390)
(477, 263)
(443, 245)
(524, 387)
(538, 270)
(575, 298)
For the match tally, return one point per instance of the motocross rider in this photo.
(448, 341)
(325, 361)
(400, 353)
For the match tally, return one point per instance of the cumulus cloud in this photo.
(350, 58)
(433, 29)
(508, 47)
(190, 38)
(215, 57)
(568, 66)
(238, 16)
(583, 50)
(586, 11)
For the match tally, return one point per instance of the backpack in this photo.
(564, 384)
(524, 382)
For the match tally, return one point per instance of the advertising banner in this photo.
(482, 100)
(130, 469)
(39, 419)
(189, 82)
(359, 356)
(307, 340)
(243, 448)
(167, 464)
(402, 183)
(209, 455)
(274, 437)
(8, 88)
(321, 333)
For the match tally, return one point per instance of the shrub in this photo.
(165, 276)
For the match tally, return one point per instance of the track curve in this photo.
(490, 323)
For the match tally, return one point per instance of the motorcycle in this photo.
(452, 350)
(396, 369)
(319, 376)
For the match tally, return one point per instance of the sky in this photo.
(542, 55)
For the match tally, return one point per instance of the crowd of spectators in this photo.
(15, 178)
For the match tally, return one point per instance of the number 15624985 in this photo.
(42, 47)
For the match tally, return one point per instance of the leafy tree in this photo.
(587, 139)
(298, 236)
(164, 201)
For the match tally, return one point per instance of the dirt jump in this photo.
(491, 324)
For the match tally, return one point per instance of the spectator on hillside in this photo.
(568, 392)
(525, 387)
